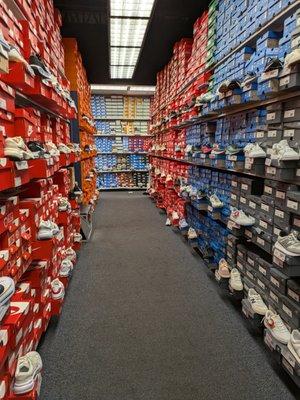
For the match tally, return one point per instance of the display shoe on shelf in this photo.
(58, 289)
(183, 224)
(38, 150)
(66, 268)
(47, 230)
(207, 149)
(273, 63)
(235, 280)
(39, 67)
(255, 151)
(77, 237)
(215, 201)
(223, 87)
(64, 149)
(223, 269)
(233, 150)
(217, 150)
(7, 289)
(283, 152)
(234, 84)
(294, 345)
(16, 149)
(240, 218)
(71, 254)
(275, 325)
(192, 234)
(63, 204)
(28, 368)
(257, 303)
(289, 244)
(52, 149)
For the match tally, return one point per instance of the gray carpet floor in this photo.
(143, 321)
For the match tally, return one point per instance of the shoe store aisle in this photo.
(142, 320)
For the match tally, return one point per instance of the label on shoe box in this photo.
(252, 205)
(275, 282)
(293, 295)
(279, 213)
(289, 113)
(248, 234)
(233, 196)
(268, 161)
(276, 231)
(259, 134)
(298, 172)
(262, 270)
(281, 256)
(260, 241)
(234, 183)
(272, 134)
(261, 284)
(243, 200)
(287, 310)
(296, 222)
(249, 274)
(263, 224)
(268, 190)
(271, 170)
(271, 116)
(292, 204)
(240, 265)
(18, 181)
(232, 158)
(3, 104)
(250, 261)
(287, 366)
(280, 195)
(284, 81)
(274, 297)
(245, 187)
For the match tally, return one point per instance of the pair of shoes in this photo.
(233, 275)
(240, 218)
(289, 244)
(254, 150)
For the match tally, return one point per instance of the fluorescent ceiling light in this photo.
(123, 89)
(142, 89)
(131, 8)
(124, 55)
(121, 72)
(127, 32)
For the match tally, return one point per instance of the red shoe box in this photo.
(27, 123)
(41, 168)
(19, 78)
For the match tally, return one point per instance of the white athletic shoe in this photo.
(28, 368)
(52, 149)
(64, 149)
(223, 269)
(256, 152)
(275, 325)
(7, 289)
(66, 268)
(15, 147)
(77, 237)
(294, 345)
(215, 201)
(47, 230)
(289, 244)
(168, 222)
(175, 216)
(283, 152)
(240, 218)
(235, 280)
(257, 302)
(192, 234)
(63, 204)
(71, 254)
(183, 224)
(58, 289)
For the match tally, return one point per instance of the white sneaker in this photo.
(223, 269)
(183, 224)
(15, 147)
(248, 148)
(240, 218)
(192, 234)
(77, 237)
(47, 230)
(275, 325)
(168, 222)
(256, 152)
(175, 216)
(66, 268)
(235, 280)
(289, 244)
(52, 149)
(28, 368)
(64, 149)
(58, 289)
(71, 254)
(7, 289)
(288, 154)
(256, 302)
(215, 201)
(63, 204)
(294, 345)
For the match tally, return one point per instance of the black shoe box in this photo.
(278, 280)
(289, 78)
(251, 186)
(274, 113)
(264, 267)
(266, 222)
(293, 290)
(282, 218)
(287, 264)
(242, 252)
(291, 311)
(293, 202)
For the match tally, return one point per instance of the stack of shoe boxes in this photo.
(39, 215)
(85, 127)
(122, 140)
(241, 157)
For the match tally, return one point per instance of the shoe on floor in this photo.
(294, 345)
(223, 269)
(275, 325)
(28, 368)
(257, 303)
(235, 280)
(289, 244)
(240, 218)
(58, 289)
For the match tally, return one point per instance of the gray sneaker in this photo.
(289, 244)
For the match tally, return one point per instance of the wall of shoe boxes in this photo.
(39, 200)
(122, 140)
(225, 160)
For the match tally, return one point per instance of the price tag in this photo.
(260, 241)
(281, 256)
(271, 116)
(289, 113)
(292, 204)
(268, 190)
(271, 170)
(263, 224)
(289, 133)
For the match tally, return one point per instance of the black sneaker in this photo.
(39, 67)
(234, 84)
(273, 64)
(38, 150)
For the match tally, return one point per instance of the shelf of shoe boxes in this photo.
(34, 194)
(247, 156)
(76, 74)
(122, 151)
